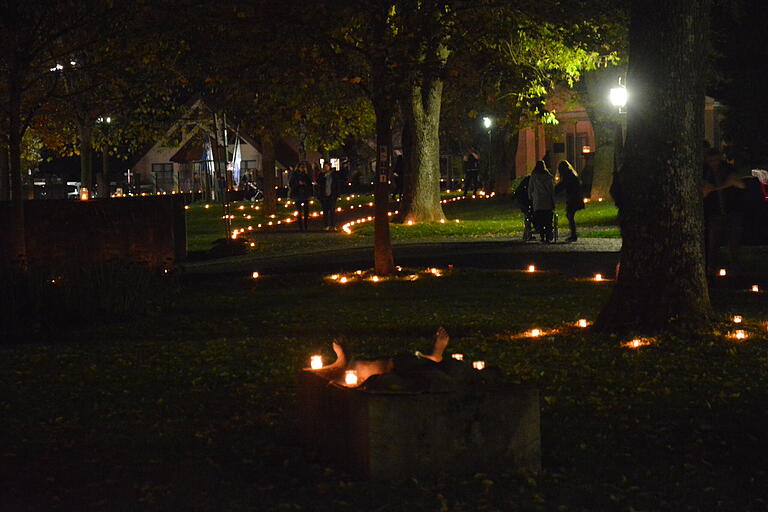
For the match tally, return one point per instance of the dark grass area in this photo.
(192, 407)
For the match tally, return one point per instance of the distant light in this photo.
(722, 272)
(737, 319)
(582, 323)
(458, 357)
(535, 333)
(740, 335)
(255, 275)
(350, 378)
(755, 288)
(487, 122)
(618, 96)
(598, 277)
(478, 365)
(531, 268)
(316, 362)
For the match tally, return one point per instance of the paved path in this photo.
(585, 257)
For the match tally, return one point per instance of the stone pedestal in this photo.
(384, 436)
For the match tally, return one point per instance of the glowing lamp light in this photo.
(478, 365)
(740, 335)
(722, 272)
(487, 122)
(598, 277)
(737, 319)
(582, 323)
(350, 378)
(531, 268)
(255, 275)
(535, 333)
(755, 288)
(84, 194)
(618, 96)
(458, 357)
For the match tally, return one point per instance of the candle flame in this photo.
(755, 288)
(535, 333)
(531, 268)
(722, 272)
(350, 378)
(458, 357)
(316, 362)
(740, 335)
(255, 275)
(478, 365)
(582, 323)
(737, 319)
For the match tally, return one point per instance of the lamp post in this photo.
(618, 97)
(103, 181)
(488, 124)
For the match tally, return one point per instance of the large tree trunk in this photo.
(86, 160)
(661, 283)
(421, 203)
(384, 263)
(103, 178)
(18, 250)
(269, 204)
(407, 144)
(508, 139)
(5, 177)
(604, 118)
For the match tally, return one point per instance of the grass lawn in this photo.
(494, 218)
(192, 406)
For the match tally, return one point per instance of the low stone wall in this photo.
(390, 436)
(146, 230)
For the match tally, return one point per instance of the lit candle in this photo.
(343, 280)
(350, 378)
(755, 288)
(582, 323)
(84, 194)
(316, 362)
(740, 335)
(335, 277)
(255, 275)
(598, 277)
(531, 268)
(478, 365)
(375, 279)
(636, 343)
(458, 357)
(737, 319)
(535, 333)
(722, 272)
(410, 223)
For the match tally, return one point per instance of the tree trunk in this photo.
(422, 202)
(661, 283)
(604, 118)
(384, 262)
(103, 184)
(269, 204)
(86, 160)
(5, 182)
(506, 146)
(407, 143)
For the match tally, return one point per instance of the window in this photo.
(163, 177)
(248, 164)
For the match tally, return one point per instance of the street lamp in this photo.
(488, 124)
(618, 97)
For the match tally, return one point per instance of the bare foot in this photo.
(341, 356)
(441, 342)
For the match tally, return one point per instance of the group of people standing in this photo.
(323, 184)
(535, 196)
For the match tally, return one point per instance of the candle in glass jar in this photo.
(316, 362)
(350, 378)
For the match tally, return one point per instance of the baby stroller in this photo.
(253, 192)
(531, 229)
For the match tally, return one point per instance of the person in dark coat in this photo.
(398, 178)
(541, 192)
(328, 190)
(574, 195)
(301, 191)
(723, 192)
(471, 172)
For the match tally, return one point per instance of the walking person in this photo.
(328, 189)
(301, 191)
(541, 192)
(574, 195)
(471, 171)
(524, 204)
